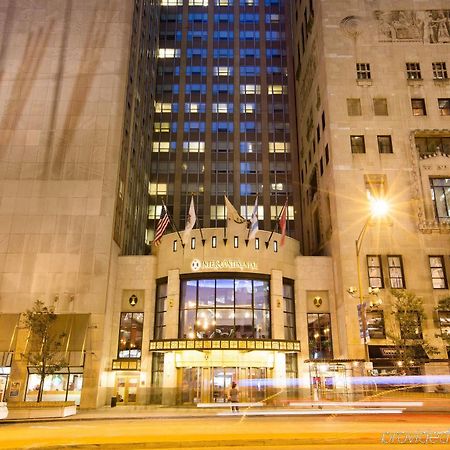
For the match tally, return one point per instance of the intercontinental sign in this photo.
(221, 264)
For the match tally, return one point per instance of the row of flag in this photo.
(235, 222)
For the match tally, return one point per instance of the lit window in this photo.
(163, 107)
(161, 127)
(130, 335)
(384, 144)
(440, 195)
(223, 2)
(272, 18)
(375, 324)
(222, 71)
(357, 144)
(396, 276)
(250, 89)
(154, 212)
(198, 2)
(248, 108)
(161, 147)
(194, 107)
(247, 211)
(171, 2)
(218, 212)
(277, 187)
(279, 147)
(418, 107)
(222, 107)
(169, 53)
(275, 211)
(437, 268)
(374, 271)
(157, 188)
(276, 89)
(194, 147)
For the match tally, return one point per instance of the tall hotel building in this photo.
(110, 107)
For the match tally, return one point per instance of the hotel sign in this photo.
(223, 264)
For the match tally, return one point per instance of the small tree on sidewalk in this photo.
(409, 315)
(44, 348)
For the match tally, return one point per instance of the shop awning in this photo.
(390, 352)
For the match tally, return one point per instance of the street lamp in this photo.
(379, 209)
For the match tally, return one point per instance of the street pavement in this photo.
(134, 429)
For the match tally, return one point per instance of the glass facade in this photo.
(224, 308)
(130, 335)
(236, 111)
(319, 336)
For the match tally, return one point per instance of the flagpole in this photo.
(172, 223)
(276, 225)
(198, 221)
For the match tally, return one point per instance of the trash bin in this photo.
(113, 402)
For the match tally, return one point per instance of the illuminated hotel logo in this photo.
(221, 264)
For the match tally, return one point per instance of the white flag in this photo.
(254, 222)
(190, 221)
(235, 222)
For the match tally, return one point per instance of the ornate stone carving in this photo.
(351, 25)
(428, 26)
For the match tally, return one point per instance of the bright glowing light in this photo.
(379, 207)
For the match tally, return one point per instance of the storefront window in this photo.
(160, 310)
(289, 312)
(319, 336)
(224, 308)
(130, 335)
(57, 387)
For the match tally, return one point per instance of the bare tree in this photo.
(44, 349)
(409, 315)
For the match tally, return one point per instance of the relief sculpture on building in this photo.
(428, 26)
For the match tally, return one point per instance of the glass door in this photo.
(126, 388)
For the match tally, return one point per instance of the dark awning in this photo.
(390, 352)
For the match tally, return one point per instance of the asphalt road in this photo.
(221, 433)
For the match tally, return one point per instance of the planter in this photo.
(41, 410)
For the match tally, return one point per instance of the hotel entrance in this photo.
(126, 388)
(212, 384)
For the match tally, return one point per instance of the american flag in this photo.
(162, 225)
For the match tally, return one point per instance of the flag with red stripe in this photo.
(163, 222)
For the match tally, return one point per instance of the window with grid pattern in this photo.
(413, 71)
(396, 275)
(437, 268)
(363, 71)
(375, 324)
(375, 271)
(440, 71)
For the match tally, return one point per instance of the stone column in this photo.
(276, 304)
(173, 304)
(169, 390)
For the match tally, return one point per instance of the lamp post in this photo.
(379, 209)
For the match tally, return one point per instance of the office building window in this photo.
(418, 107)
(375, 324)
(354, 106)
(363, 71)
(375, 271)
(289, 311)
(440, 195)
(357, 144)
(319, 336)
(440, 71)
(225, 308)
(438, 276)
(384, 144)
(130, 335)
(160, 311)
(444, 106)
(380, 107)
(396, 275)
